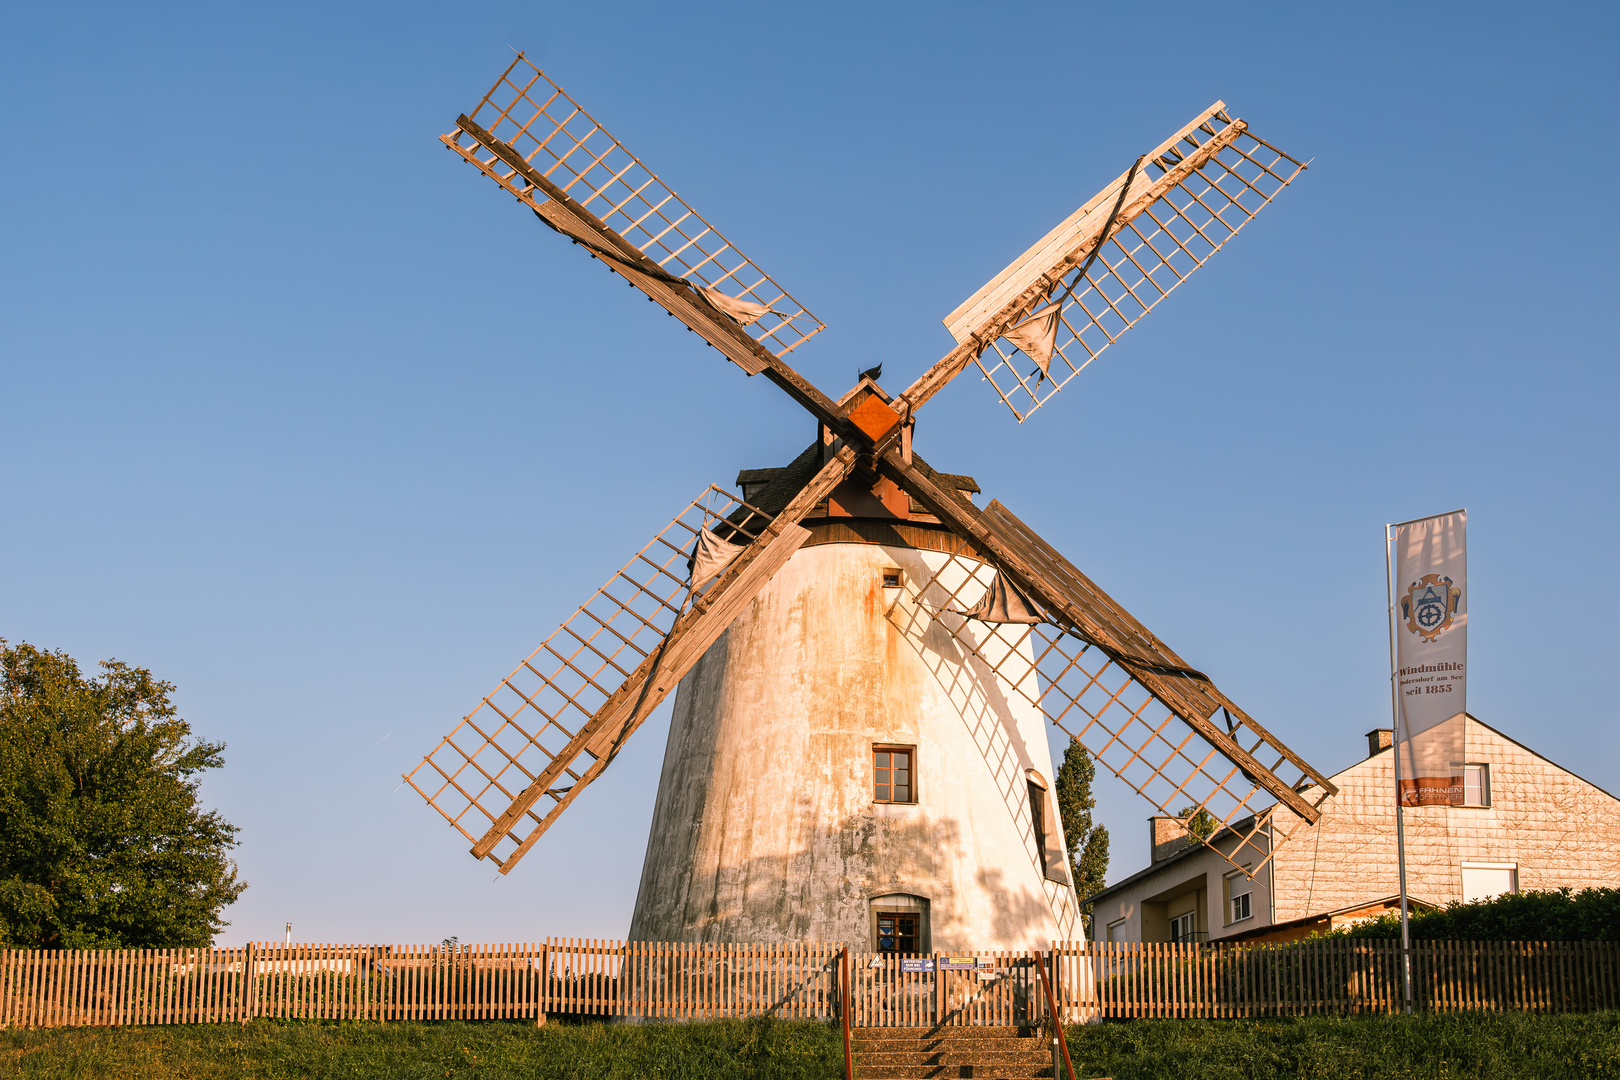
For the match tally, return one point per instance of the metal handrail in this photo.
(1051, 1008)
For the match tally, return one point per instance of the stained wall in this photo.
(765, 828)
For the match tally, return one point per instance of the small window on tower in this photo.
(893, 779)
(892, 577)
(897, 931)
(1037, 814)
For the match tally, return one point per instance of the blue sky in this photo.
(312, 421)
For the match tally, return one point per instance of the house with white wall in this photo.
(1525, 823)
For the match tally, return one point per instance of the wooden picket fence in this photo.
(676, 981)
(1338, 976)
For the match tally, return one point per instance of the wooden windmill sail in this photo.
(548, 730)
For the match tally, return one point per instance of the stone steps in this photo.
(954, 1057)
(984, 1053)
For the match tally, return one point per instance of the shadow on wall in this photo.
(1017, 910)
(972, 686)
(823, 891)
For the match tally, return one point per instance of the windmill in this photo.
(866, 659)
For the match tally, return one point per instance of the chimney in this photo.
(1169, 837)
(1379, 739)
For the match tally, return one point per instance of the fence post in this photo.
(244, 1000)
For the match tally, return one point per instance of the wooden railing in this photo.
(691, 981)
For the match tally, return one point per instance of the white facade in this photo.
(766, 826)
(1532, 825)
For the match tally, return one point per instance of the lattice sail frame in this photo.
(499, 748)
(1099, 704)
(1144, 261)
(565, 143)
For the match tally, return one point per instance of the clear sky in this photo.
(312, 421)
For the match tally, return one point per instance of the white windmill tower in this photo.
(866, 660)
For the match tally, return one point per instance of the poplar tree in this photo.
(1087, 840)
(103, 842)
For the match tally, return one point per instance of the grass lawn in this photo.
(1490, 1046)
(468, 1051)
(1498, 1047)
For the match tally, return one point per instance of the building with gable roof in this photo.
(1527, 823)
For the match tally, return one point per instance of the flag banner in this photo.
(1431, 657)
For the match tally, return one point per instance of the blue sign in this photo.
(917, 965)
(958, 963)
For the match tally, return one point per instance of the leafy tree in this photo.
(102, 841)
(1088, 841)
(1200, 822)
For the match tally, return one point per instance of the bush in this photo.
(1557, 915)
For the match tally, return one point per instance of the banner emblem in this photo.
(1430, 605)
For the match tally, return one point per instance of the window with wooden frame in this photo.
(894, 774)
(897, 931)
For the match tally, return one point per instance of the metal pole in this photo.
(1395, 748)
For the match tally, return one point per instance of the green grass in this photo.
(778, 1050)
(1459, 1047)
(1490, 1046)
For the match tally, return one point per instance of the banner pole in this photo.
(1395, 748)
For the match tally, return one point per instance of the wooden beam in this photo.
(652, 680)
(1092, 615)
(675, 295)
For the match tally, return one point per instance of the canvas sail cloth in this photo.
(1431, 658)
(1003, 603)
(710, 558)
(1036, 336)
(746, 312)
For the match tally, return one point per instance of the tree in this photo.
(1200, 822)
(1088, 842)
(102, 841)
